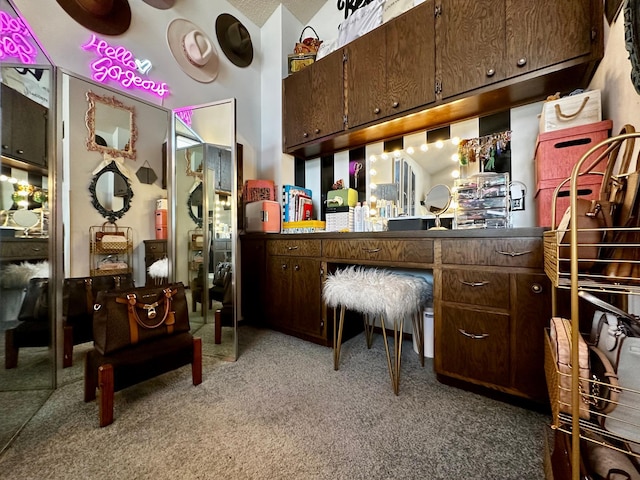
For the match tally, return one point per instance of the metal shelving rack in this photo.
(573, 279)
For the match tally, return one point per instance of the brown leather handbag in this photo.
(125, 318)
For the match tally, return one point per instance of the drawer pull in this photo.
(284, 266)
(513, 254)
(474, 336)
(296, 267)
(35, 249)
(474, 284)
(371, 250)
(292, 248)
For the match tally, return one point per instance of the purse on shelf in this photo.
(111, 238)
(308, 45)
(129, 317)
(560, 335)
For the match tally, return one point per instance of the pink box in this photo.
(263, 216)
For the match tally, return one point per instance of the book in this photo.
(290, 200)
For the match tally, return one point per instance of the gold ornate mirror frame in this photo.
(110, 118)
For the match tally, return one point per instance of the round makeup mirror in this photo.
(437, 202)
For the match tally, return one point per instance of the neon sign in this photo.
(185, 116)
(119, 64)
(14, 39)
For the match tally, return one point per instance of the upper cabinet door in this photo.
(547, 32)
(314, 101)
(470, 44)
(411, 62)
(391, 69)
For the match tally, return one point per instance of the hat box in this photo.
(263, 216)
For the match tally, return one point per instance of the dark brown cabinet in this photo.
(24, 128)
(294, 290)
(314, 101)
(487, 41)
(254, 280)
(153, 250)
(494, 305)
(391, 69)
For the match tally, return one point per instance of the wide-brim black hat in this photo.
(234, 39)
(114, 19)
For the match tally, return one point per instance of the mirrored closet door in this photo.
(205, 221)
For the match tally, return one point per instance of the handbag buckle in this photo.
(151, 309)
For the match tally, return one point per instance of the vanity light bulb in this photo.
(439, 144)
(3, 178)
(455, 140)
(373, 172)
(373, 212)
(397, 153)
(455, 174)
(384, 156)
(455, 157)
(372, 159)
(410, 150)
(424, 147)
(373, 199)
(373, 186)
(12, 180)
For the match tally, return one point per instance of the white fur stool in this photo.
(159, 271)
(382, 294)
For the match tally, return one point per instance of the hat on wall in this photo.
(108, 17)
(193, 50)
(234, 39)
(160, 4)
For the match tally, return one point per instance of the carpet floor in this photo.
(282, 412)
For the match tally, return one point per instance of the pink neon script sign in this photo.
(14, 39)
(118, 64)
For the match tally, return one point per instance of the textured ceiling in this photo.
(259, 11)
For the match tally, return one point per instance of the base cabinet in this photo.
(294, 290)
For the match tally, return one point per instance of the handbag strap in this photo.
(611, 185)
(132, 303)
(312, 29)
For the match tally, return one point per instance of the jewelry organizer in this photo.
(111, 250)
(563, 267)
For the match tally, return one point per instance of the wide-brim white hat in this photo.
(193, 50)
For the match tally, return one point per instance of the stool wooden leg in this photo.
(418, 333)
(337, 343)
(368, 329)
(394, 364)
(196, 362)
(105, 393)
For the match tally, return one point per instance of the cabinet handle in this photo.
(513, 254)
(5, 147)
(491, 72)
(474, 284)
(395, 104)
(474, 336)
(317, 131)
(522, 61)
(536, 288)
(376, 110)
(284, 266)
(371, 250)
(20, 151)
(35, 249)
(297, 267)
(305, 134)
(295, 247)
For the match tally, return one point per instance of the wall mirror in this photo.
(205, 141)
(111, 192)
(26, 173)
(112, 127)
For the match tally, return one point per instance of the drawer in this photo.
(417, 251)
(293, 247)
(24, 249)
(501, 252)
(475, 345)
(155, 247)
(483, 288)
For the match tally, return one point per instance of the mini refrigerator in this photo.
(263, 216)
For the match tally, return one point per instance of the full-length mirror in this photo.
(27, 374)
(205, 186)
(112, 127)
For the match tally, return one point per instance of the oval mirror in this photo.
(111, 192)
(194, 205)
(437, 202)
